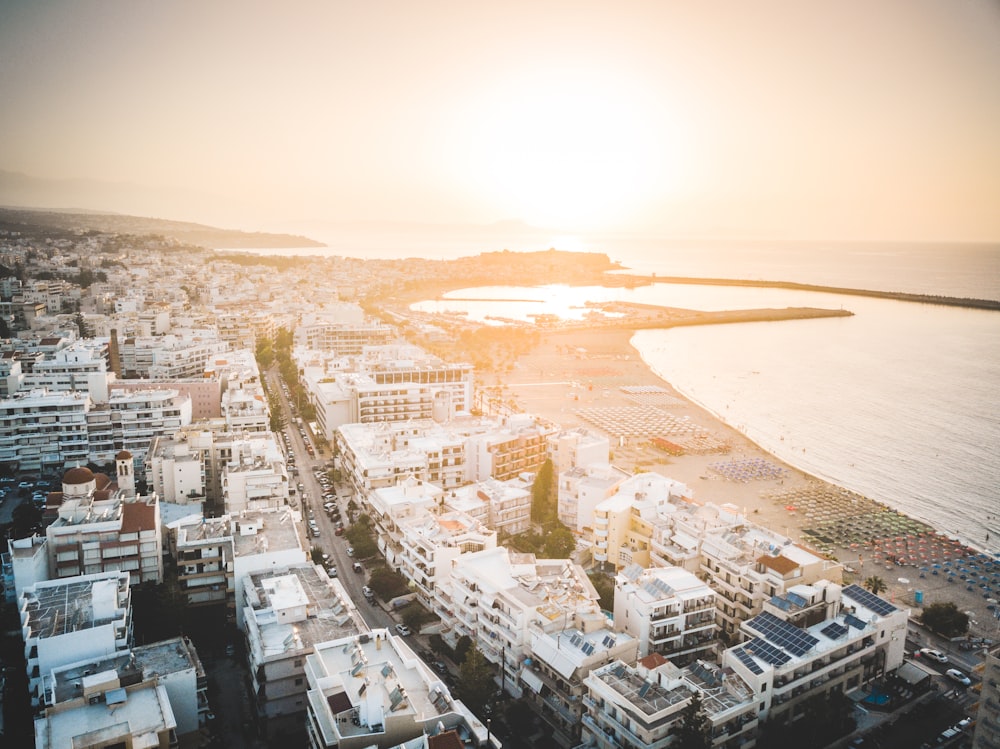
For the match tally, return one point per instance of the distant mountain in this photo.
(28, 219)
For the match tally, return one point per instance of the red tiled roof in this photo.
(138, 516)
(653, 660)
(781, 565)
(445, 740)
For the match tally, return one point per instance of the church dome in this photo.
(124, 455)
(78, 475)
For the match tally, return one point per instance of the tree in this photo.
(945, 619)
(475, 680)
(559, 543)
(605, 587)
(462, 647)
(542, 507)
(693, 731)
(876, 584)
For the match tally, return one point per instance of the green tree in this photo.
(693, 731)
(605, 587)
(542, 507)
(387, 583)
(462, 647)
(559, 543)
(475, 680)
(945, 619)
(876, 584)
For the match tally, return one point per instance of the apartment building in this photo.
(504, 506)
(202, 550)
(430, 544)
(131, 419)
(642, 704)
(391, 506)
(580, 489)
(501, 598)
(344, 338)
(517, 444)
(814, 639)
(255, 477)
(42, 431)
(554, 676)
(173, 664)
(175, 471)
(371, 689)
(287, 612)
(100, 526)
(987, 732)
(65, 621)
(668, 610)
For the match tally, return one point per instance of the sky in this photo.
(810, 119)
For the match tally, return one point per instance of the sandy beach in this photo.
(595, 378)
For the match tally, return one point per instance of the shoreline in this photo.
(574, 378)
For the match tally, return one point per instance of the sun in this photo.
(565, 150)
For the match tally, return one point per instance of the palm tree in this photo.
(876, 584)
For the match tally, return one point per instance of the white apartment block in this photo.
(504, 506)
(29, 564)
(578, 448)
(372, 689)
(553, 677)
(391, 506)
(172, 664)
(109, 715)
(42, 431)
(518, 444)
(815, 639)
(287, 612)
(501, 599)
(254, 477)
(642, 705)
(344, 338)
(66, 621)
(169, 357)
(132, 418)
(245, 408)
(100, 526)
(581, 489)
(175, 471)
(203, 552)
(263, 540)
(668, 610)
(375, 456)
(749, 564)
(431, 543)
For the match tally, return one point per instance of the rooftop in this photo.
(57, 607)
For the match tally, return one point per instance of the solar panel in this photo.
(609, 641)
(588, 648)
(869, 600)
(797, 600)
(779, 632)
(747, 660)
(834, 630)
(644, 689)
(767, 652)
(780, 602)
(853, 621)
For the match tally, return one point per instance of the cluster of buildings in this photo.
(158, 379)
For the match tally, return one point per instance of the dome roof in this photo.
(78, 475)
(124, 455)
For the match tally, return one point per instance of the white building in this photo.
(643, 704)
(263, 540)
(287, 612)
(815, 639)
(504, 506)
(254, 478)
(668, 610)
(65, 621)
(581, 489)
(175, 471)
(203, 552)
(371, 689)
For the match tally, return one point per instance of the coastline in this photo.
(575, 377)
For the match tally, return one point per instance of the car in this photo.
(338, 531)
(403, 630)
(955, 675)
(357, 567)
(439, 667)
(367, 592)
(332, 570)
(350, 551)
(314, 532)
(934, 655)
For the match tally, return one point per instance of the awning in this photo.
(911, 674)
(531, 680)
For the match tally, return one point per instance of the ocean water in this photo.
(898, 402)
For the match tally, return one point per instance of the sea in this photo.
(899, 402)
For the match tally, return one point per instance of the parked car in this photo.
(332, 570)
(955, 675)
(338, 531)
(350, 551)
(357, 567)
(367, 592)
(439, 667)
(403, 630)
(934, 655)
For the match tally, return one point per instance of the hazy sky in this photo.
(784, 118)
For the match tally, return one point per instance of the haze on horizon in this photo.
(722, 119)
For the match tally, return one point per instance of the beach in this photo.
(595, 379)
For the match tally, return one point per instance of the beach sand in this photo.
(576, 378)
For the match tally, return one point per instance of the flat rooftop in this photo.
(76, 604)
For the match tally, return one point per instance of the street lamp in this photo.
(488, 740)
